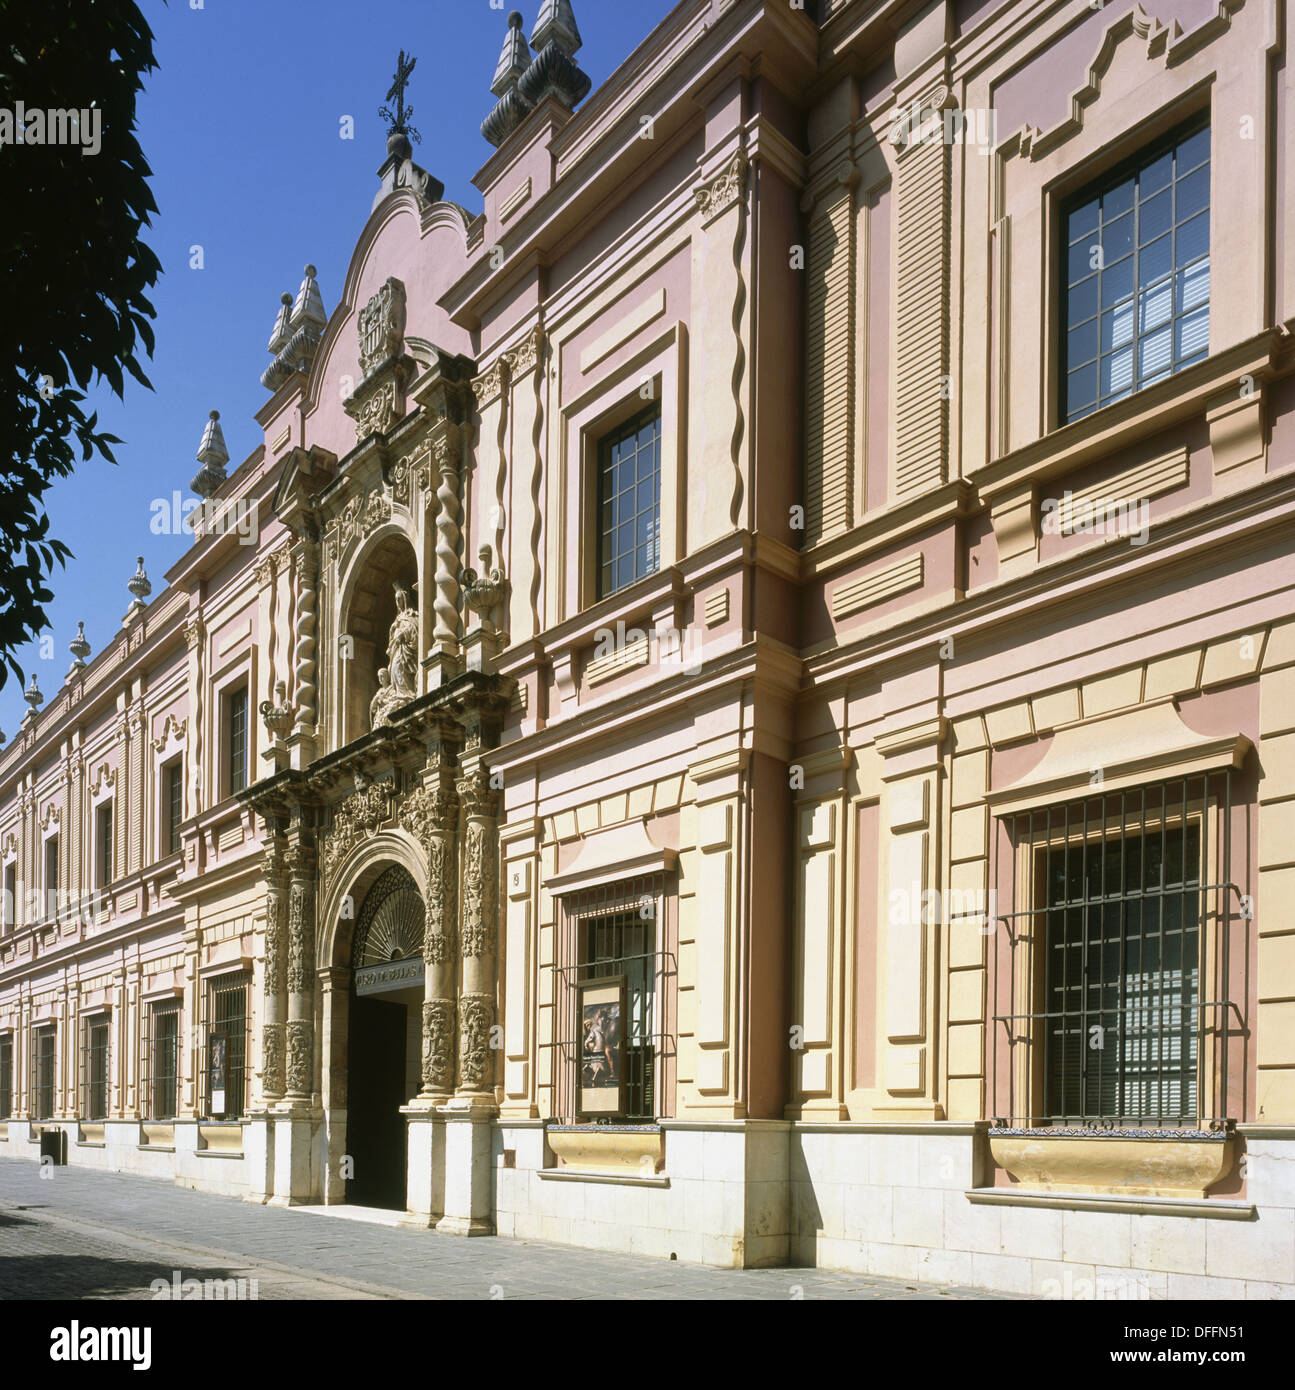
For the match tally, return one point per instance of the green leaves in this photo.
(73, 273)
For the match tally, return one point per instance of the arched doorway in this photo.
(384, 1037)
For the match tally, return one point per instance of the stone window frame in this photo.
(92, 1016)
(585, 421)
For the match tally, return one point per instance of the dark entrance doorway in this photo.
(383, 1038)
(375, 1128)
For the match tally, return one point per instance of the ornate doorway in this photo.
(384, 1038)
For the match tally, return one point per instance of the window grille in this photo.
(43, 1063)
(1137, 274)
(629, 503)
(6, 1077)
(226, 1029)
(94, 1067)
(160, 1086)
(1113, 962)
(625, 929)
(237, 709)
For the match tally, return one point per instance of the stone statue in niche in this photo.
(402, 646)
(385, 702)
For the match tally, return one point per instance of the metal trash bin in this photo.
(53, 1145)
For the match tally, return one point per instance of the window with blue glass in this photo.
(1137, 275)
(629, 503)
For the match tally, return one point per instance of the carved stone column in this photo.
(273, 1041)
(300, 1027)
(445, 636)
(478, 935)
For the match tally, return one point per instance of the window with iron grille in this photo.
(1115, 959)
(103, 844)
(51, 876)
(621, 931)
(172, 805)
(236, 722)
(629, 503)
(6, 1076)
(161, 1079)
(43, 1062)
(1136, 300)
(94, 1067)
(10, 896)
(225, 1047)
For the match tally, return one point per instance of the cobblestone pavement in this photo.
(83, 1234)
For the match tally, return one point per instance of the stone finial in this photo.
(140, 587)
(213, 456)
(282, 334)
(513, 107)
(32, 694)
(556, 23)
(309, 305)
(514, 60)
(555, 71)
(297, 332)
(80, 649)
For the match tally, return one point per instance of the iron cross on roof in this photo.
(399, 121)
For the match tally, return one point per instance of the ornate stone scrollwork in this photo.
(438, 1044)
(301, 936)
(476, 1014)
(360, 814)
(721, 192)
(382, 327)
(273, 1079)
(300, 1059)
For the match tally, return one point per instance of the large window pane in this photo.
(1150, 223)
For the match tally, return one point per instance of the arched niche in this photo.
(368, 611)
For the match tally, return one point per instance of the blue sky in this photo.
(241, 125)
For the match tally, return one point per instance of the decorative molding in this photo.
(896, 578)
(354, 818)
(106, 776)
(631, 322)
(515, 199)
(637, 652)
(1152, 479)
(172, 728)
(490, 383)
(718, 194)
(381, 327)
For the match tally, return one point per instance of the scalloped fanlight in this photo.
(391, 922)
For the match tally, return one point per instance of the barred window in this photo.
(94, 1067)
(43, 1066)
(10, 896)
(6, 1076)
(616, 1002)
(161, 1055)
(1115, 959)
(225, 1047)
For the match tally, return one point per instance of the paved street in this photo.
(88, 1235)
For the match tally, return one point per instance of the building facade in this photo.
(743, 705)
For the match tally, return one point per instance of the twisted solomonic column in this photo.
(304, 654)
(445, 635)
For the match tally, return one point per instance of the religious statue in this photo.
(402, 647)
(385, 702)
